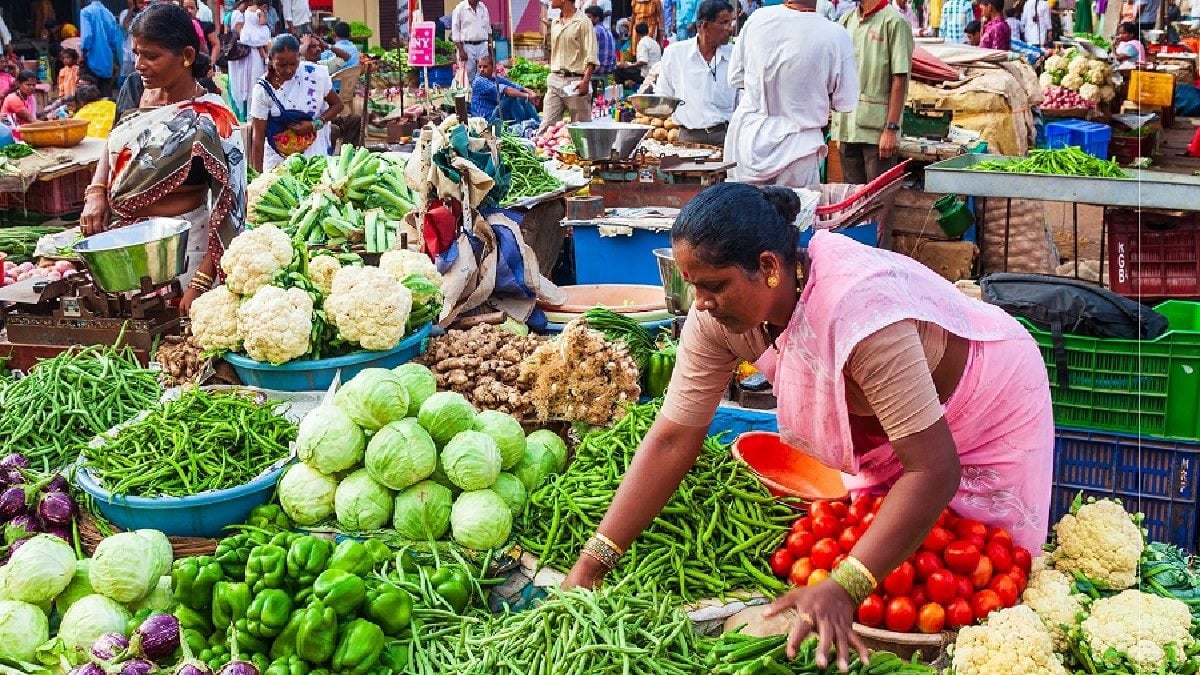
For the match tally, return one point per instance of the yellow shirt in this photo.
(935, 13)
(573, 44)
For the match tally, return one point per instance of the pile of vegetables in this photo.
(529, 74)
(181, 359)
(655, 360)
(554, 142)
(199, 442)
(1097, 40)
(16, 150)
(665, 131)
(53, 412)
(483, 364)
(31, 503)
(1069, 161)
(1074, 72)
(20, 242)
(735, 653)
(50, 271)
(527, 172)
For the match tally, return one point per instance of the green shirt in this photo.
(883, 47)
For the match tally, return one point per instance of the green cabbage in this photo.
(125, 567)
(420, 383)
(373, 398)
(555, 444)
(512, 491)
(23, 628)
(79, 587)
(160, 546)
(536, 465)
(445, 414)
(362, 504)
(506, 431)
(422, 512)
(89, 618)
(471, 460)
(161, 598)
(39, 570)
(480, 520)
(329, 441)
(306, 494)
(400, 454)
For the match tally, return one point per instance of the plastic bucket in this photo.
(786, 471)
(955, 218)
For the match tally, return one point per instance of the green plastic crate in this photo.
(1143, 387)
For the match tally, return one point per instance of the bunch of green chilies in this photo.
(204, 440)
(528, 173)
(1069, 161)
(65, 401)
(710, 539)
(735, 653)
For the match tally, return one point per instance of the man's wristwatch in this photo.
(892, 126)
(318, 123)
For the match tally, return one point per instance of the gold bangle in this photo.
(852, 580)
(602, 552)
(612, 544)
(94, 189)
(858, 564)
(598, 558)
(202, 277)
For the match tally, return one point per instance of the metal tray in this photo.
(1142, 189)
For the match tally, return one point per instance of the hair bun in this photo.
(785, 200)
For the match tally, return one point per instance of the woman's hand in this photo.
(825, 608)
(94, 217)
(185, 302)
(304, 128)
(587, 573)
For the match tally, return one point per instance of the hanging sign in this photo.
(420, 45)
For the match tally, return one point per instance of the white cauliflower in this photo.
(402, 262)
(253, 258)
(1012, 641)
(1077, 66)
(1101, 541)
(1096, 73)
(1055, 63)
(321, 270)
(259, 186)
(1072, 81)
(1046, 80)
(275, 324)
(1090, 92)
(215, 320)
(1138, 625)
(1049, 594)
(369, 307)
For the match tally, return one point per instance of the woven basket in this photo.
(932, 646)
(183, 547)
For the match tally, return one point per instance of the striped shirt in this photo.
(606, 49)
(956, 14)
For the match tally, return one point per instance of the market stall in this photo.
(47, 181)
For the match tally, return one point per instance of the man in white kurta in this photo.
(793, 66)
(471, 31)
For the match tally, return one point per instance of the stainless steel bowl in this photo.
(600, 141)
(680, 293)
(119, 259)
(650, 105)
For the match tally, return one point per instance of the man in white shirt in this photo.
(204, 12)
(296, 13)
(470, 30)
(775, 135)
(697, 71)
(1035, 22)
(647, 53)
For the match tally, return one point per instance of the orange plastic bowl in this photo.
(786, 471)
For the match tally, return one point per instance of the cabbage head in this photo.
(439, 476)
(374, 397)
(306, 494)
(480, 520)
(422, 512)
(79, 587)
(420, 383)
(89, 618)
(161, 598)
(125, 567)
(401, 454)
(445, 414)
(536, 465)
(362, 504)
(471, 460)
(39, 570)
(512, 491)
(506, 431)
(329, 441)
(23, 628)
(160, 546)
(555, 444)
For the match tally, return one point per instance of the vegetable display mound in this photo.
(529, 176)
(65, 401)
(529, 74)
(1069, 161)
(202, 441)
(709, 540)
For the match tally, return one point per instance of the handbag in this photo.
(283, 140)
(232, 49)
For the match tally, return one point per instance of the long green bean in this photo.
(735, 653)
(527, 172)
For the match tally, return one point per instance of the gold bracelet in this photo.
(858, 564)
(612, 544)
(198, 285)
(601, 551)
(598, 558)
(853, 581)
(94, 188)
(204, 278)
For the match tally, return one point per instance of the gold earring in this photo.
(186, 64)
(772, 281)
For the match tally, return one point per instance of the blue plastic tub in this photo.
(733, 421)
(440, 76)
(313, 375)
(651, 327)
(1092, 137)
(1058, 134)
(620, 259)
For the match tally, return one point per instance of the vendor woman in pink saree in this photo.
(882, 369)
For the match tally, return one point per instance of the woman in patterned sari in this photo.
(179, 155)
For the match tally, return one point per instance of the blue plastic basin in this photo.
(317, 374)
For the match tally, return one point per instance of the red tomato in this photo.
(926, 563)
(839, 508)
(847, 539)
(946, 517)
(931, 618)
(900, 580)
(977, 540)
(983, 573)
(826, 526)
(1000, 556)
(937, 540)
(800, 544)
(821, 507)
(817, 577)
(781, 562)
(1018, 576)
(919, 596)
(859, 508)
(1022, 558)
(823, 553)
(942, 586)
(802, 524)
(984, 602)
(962, 557)
(966, 528)
(801, 570)
(866, 522)
(1000, 536)
(958, 613)
(1005, 588)
(901, 615)
(870, 612)
(963, 587)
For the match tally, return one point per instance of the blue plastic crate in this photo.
(1058, 134)
(619, 259)
(1092, 137)
(1150, 475)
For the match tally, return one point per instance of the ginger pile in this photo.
(484, 364)
(181, 359)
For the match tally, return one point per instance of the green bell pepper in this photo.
(316, 638)
(291, 665)
(307, 558)
(353, 557)
(231, 599)
(454, 585)
(247, 642)
(192, 581)
(190, 619)
(390, 607)
(268, 517)
(379, 552)
(359, 648)
(658, 371)
(285, 643)
(340, 590)
(197, 641)
(233, 552)
(268, 613)
(284, 539)
(266, 567)
(394, 656)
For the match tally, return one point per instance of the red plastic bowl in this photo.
(786, 471)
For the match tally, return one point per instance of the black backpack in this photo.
(1061, 305)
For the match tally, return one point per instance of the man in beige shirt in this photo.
(573, 57)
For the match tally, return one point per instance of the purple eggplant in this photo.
(14, 460)
(21, 527)
(87, 669)
(12, 503)
(55, 508)
(157, 638)
(12, 476)
(61, 532)
(238, 668)
(138, 667)
(58, 484)
(189, 664)
(109, 646)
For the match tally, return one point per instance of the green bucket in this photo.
(955, 218)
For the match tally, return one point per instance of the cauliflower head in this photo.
(253, 258)
(215, 320)
(321, 270)
(258, 187)
(1078, 66)
(1138, 625)
(1046, 80)
(1072, 81)
(1012, 640)
(1049, 595)
(1101, 541)
(1090, 92)
(276, 324)
(369, 307)
(403, 262)
(1055, 63)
